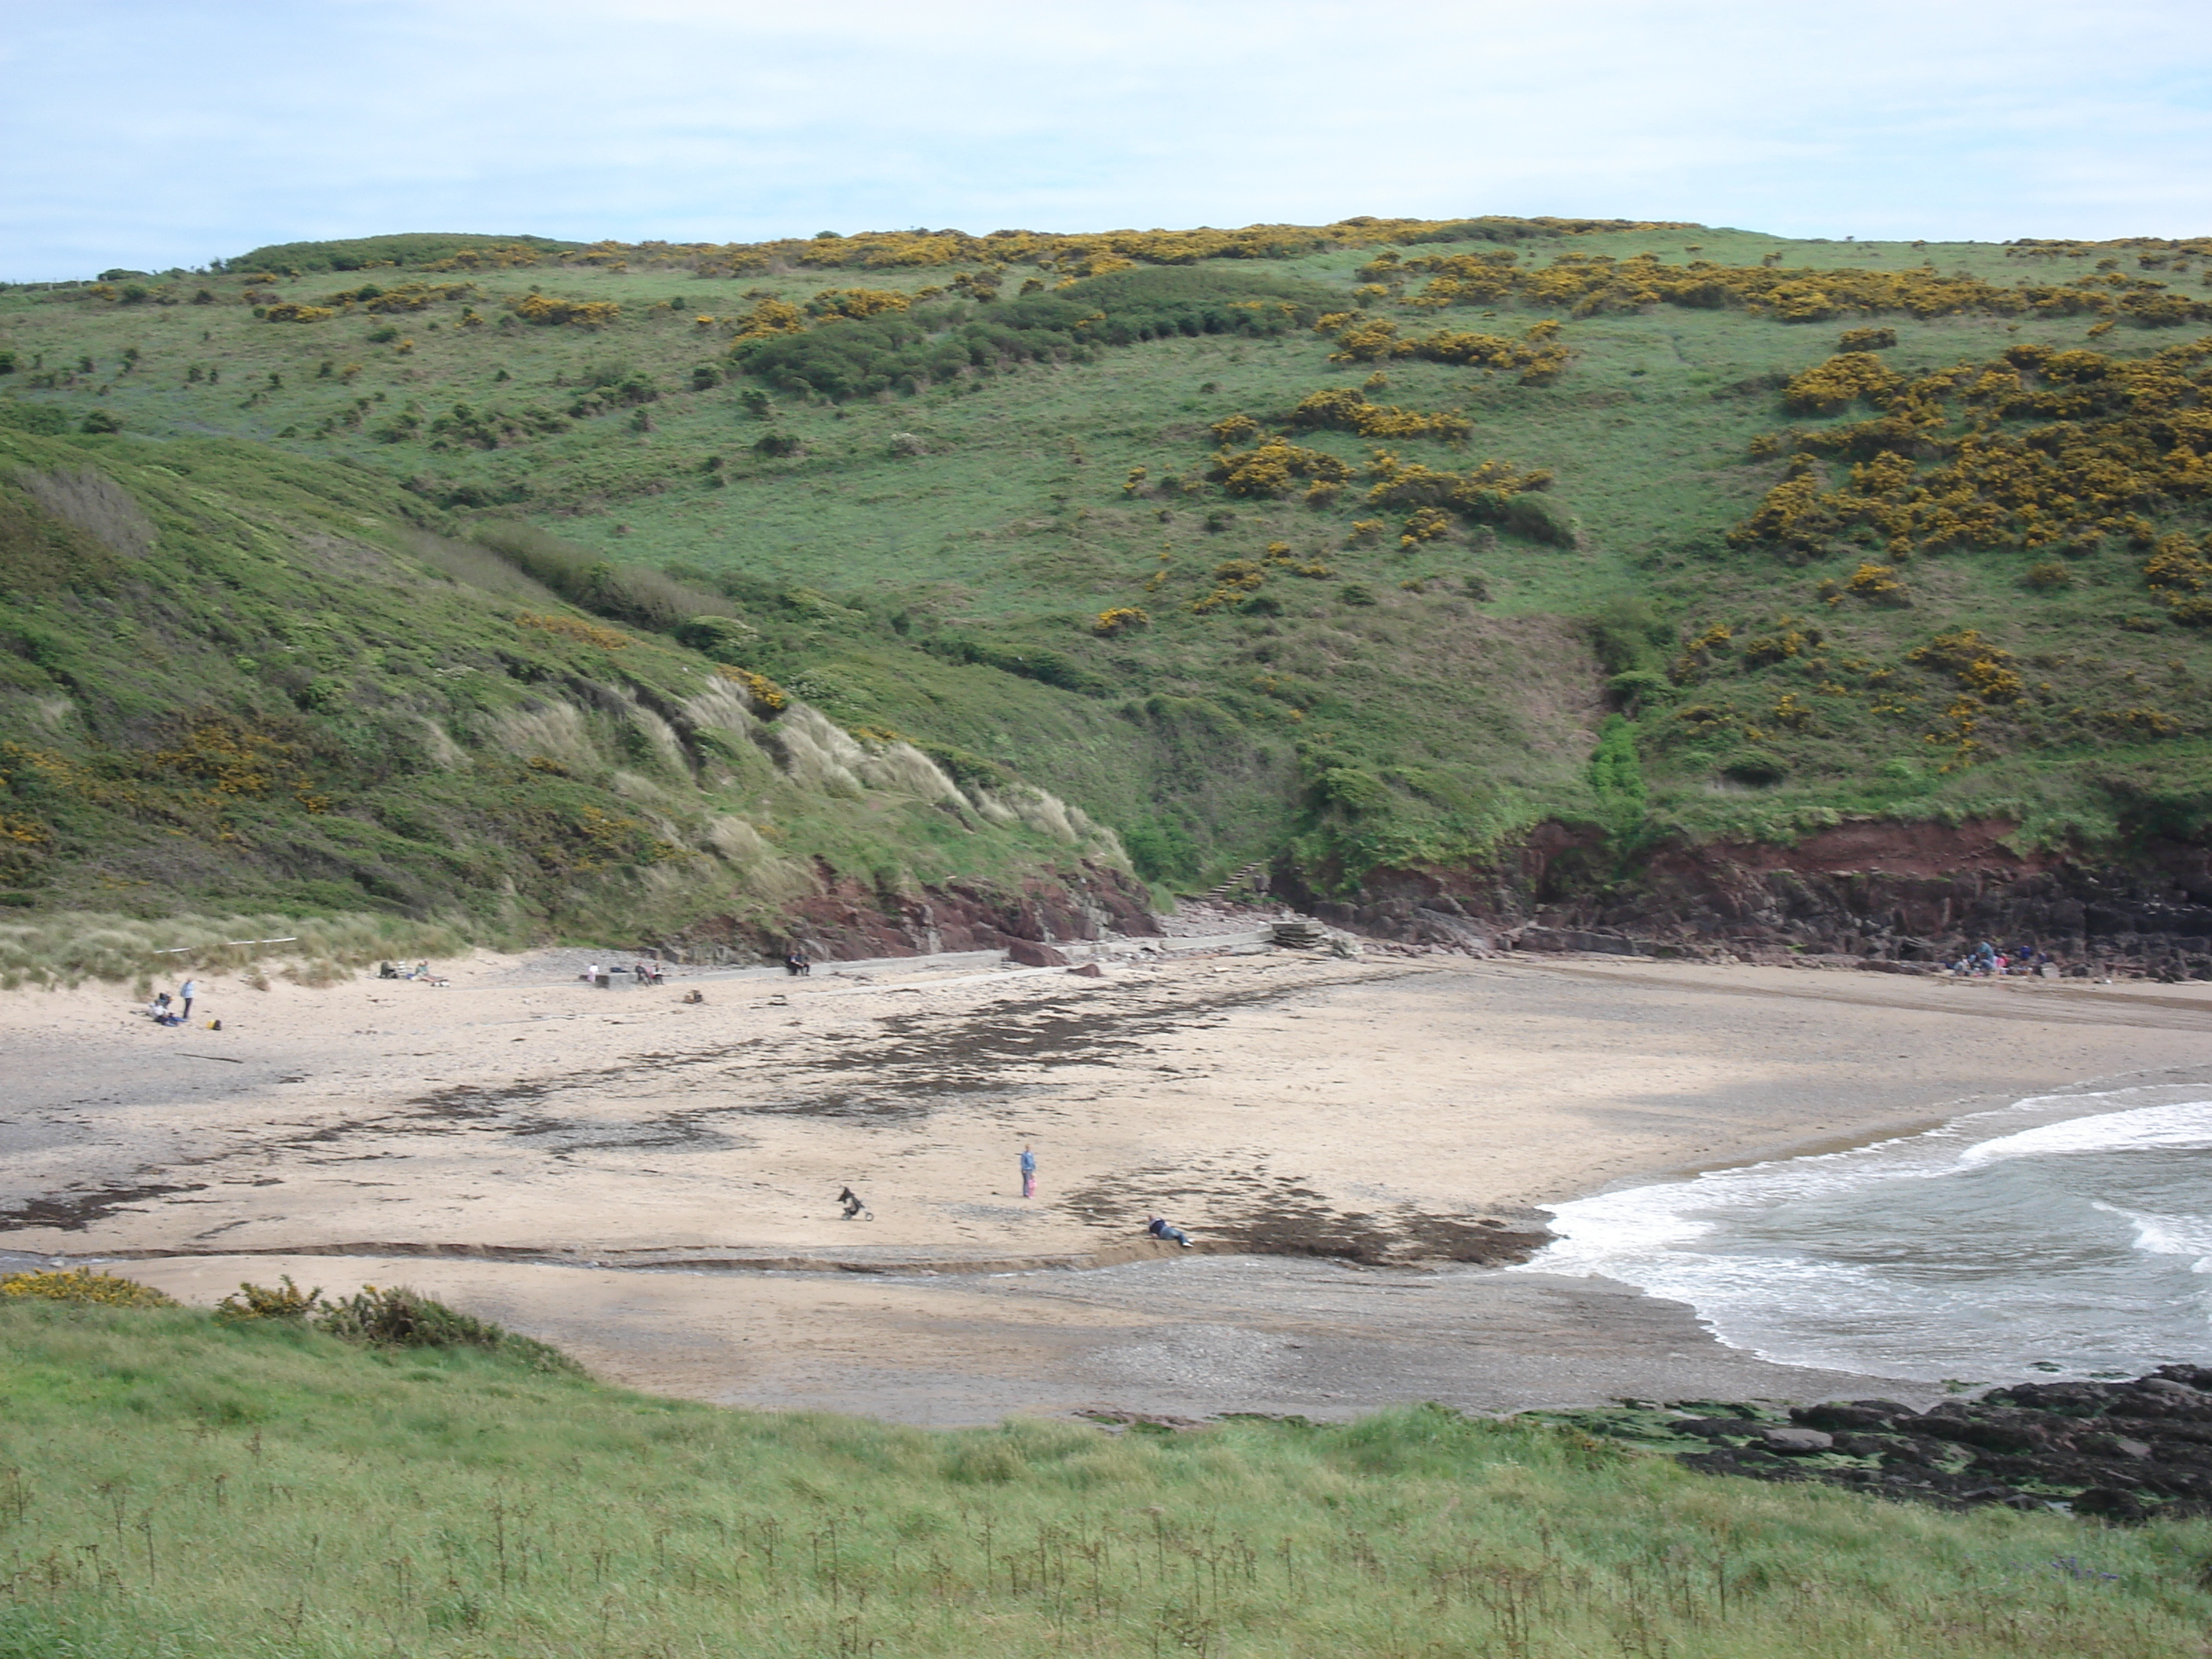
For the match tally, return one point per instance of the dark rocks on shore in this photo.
(2122, 1451)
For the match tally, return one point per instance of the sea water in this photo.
(2066, 1236)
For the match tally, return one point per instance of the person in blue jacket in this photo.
(1159, 1227)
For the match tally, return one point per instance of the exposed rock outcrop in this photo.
(844, 919)
(2126, 1451)
(1883, 892)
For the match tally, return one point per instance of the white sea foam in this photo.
(1997, 1243)
(2169, 1235)
(2185, 1125)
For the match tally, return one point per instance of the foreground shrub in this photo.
(85, 1288)
(285, 1300)
(399, 1317)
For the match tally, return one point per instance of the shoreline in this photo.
(1357, 1122)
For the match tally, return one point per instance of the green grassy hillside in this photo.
(178, 1486)
(1339, 546)
(242, 682)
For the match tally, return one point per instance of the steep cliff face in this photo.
(1883, 891)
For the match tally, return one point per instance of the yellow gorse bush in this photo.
(1234, 582)
(1478, 492)
(504, 256)
(1345, 409)
(1538, 354)
(549, 312)
(1590, 284)
(577, 628)
(1275, 467)
(1829, 387)
(86, 1288)
(1979, 667)
(855, 303)
(768, 697)
(771, 316)
(2039, 448)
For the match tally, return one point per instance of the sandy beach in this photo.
(1357, 1146)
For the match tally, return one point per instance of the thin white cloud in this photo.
(153, 134)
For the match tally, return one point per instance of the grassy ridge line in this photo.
(1082, 254)
(183, 1486)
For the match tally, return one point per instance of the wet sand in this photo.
(1347, 1139)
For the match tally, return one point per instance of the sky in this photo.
(149, 136)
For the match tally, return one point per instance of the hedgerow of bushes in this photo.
(851, 352)
(1590, 284)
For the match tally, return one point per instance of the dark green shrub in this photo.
(1756, 768)
(1160, 852)
(1356, 593)
(1539, 519)
(778, 444)
(905, 350)
(43, 420)
(101, 420)
(628, 592)
(283, 1300)
(1038, 662)
(401, 1318)
(1639, 688)
(723, 638)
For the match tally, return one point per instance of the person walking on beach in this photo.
(186, 993)
(1028, 1173)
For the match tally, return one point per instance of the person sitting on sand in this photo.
(796, 964)
(851, 1200)
(1159, 1227)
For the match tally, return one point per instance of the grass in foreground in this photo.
(180, 1486)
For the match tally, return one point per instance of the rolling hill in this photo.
(1575, 581)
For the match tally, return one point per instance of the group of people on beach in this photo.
(166, 1010)
(1985, 961)
(647, 970)
(1157, 1226)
